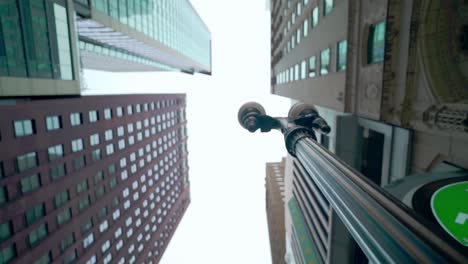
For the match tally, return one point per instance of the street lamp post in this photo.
(385, 229)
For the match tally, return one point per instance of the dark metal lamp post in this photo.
(385, 229)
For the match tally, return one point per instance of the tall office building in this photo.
(38, 51)
(44, 44)
(149, 35)
(274, 184)
(314, 232)
(96, 179)
(379, 61)
(390, 79)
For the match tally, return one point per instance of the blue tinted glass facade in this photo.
(173, 23)
(34, 40)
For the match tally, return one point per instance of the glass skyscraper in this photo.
(168, 35)
(37, 51)
(35, 40)
(45, 43)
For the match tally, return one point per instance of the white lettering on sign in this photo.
(461, 218)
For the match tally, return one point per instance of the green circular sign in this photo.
(450, 207)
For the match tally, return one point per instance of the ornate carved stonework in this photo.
(370, 91)
(447, 117)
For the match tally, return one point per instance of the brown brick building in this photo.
(91, 179)
(275, 210)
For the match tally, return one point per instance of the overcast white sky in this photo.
(226, 221)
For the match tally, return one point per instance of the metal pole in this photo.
(385, 229)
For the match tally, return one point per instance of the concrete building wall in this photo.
(274, 183)
(328, 90)
(364, 80)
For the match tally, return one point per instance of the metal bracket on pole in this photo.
(386, 230)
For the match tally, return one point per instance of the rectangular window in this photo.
(26, 162)
(67, 242)
(96, 154)
(107, 113)
(102, 213)
(5, 231)
(312, 67)
(3, 195)
(34, 214)
(58, 171)
(2, 174)
(376, 43)
(63, 42)
(303, 70)
(64, 216)
(327, 7)
(121, 144)
(84, 203)
(108, 135)
(53, 123)
(76, 119)
(98, 177)
(341, 55)
(119, 111)
(130, 128)
(61, 198)
(129, 110)
(111, 169)
(30, 183)
(100, 192)
(138, 108)
(306, 28)
(110, 149)
(94, 139)
(113, 182)
(79, 163)
(55, 152)
(296, 72)
(325, 62)
(298, 36)
(37, 235)
(120, 131)
(86, 226)
(82, 186)
(77, 145)
(24, 128)
(8, 254)
(70, 258)
(315, 17)
(88, 240)
(93, 116)
(115, 201)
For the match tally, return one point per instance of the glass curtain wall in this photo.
(121, 54)
(34, 40)
(174, 23)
